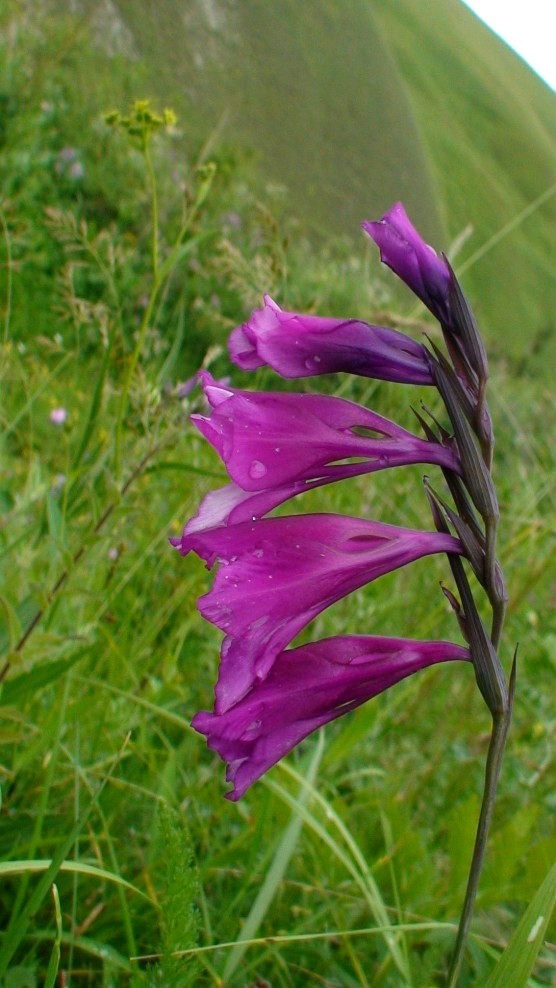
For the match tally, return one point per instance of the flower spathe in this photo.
(298, 345)
(277, 574)
(306, 688)
(414, 261)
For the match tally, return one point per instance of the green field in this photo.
(346, 865)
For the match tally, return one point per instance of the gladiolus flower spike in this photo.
(276, 574)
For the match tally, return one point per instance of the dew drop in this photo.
(251, 731)
(257, 469)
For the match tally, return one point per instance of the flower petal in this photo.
(305, 346)
(277, 574)
(270, 439)
(306, 688)
(413, 260)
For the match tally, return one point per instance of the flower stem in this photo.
(500, 727)
(145, 322)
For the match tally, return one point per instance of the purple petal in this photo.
(267, 440)
(305, 346)
(306, 688)
(413, 260)
(277, 574)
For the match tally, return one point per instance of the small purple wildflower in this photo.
(76, 171)
(68, 164)
(58, 416)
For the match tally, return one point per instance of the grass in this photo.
(347, 864)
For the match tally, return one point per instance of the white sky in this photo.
(528, 26)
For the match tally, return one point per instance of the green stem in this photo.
(500, 727)
(154, 210)
(148, 311)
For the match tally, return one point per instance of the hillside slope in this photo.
(490, 128)
(307, 88)
(352, 106)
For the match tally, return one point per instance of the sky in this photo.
(528, 26)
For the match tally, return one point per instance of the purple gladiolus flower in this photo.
(277, 445)
(306, 688)
(277, 574)
(305, 346)
(413, 260)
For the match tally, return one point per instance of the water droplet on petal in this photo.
(257, 469)
(251, 731)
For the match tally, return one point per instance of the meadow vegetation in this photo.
(125, 261)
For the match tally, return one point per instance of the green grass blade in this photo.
(10, 868)
(94, 409)
(44, 385)
(19, 924)
(373, 892)
(332, 934)
(370, 891)
(516, 963)
(54, 962)
(28, 684)
(274, 876)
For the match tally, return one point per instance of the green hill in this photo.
(307, 89)
(352, 106)
(489, 125)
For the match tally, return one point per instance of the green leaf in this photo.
(516, 963)
(16, 690)
(73, 867)
(282, 857)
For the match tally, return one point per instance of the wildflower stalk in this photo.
(140, 125)
(473, 431)
(150, 304)
(496, 749)
(269, 697)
